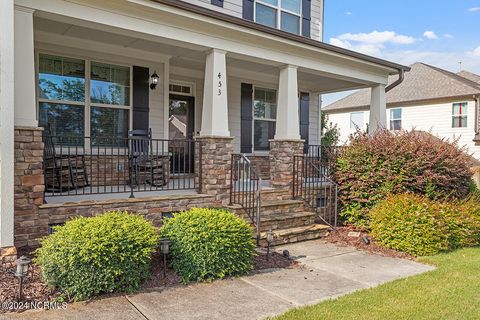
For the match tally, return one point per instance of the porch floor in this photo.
(122, 192)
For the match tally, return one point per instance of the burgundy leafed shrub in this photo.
(375, 166)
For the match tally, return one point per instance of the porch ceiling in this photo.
(186, 57)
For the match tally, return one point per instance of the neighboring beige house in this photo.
(245, 74)
(429, 99)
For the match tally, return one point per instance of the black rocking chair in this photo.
(144, 165)
(62, 172)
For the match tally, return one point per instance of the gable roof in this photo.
(470, 76)
(423, 82)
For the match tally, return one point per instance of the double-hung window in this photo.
(63, 85)
(356, 120)
(396, 119)
(264, 117)
(281, 14)
(459, 115)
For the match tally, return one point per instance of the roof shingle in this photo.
(423, 82)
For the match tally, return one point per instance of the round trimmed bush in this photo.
(209, 243)
(374, 166)
(420, 226)
(111, 252)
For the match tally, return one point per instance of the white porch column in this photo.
(288, 125)
(25, 104)
(378, 109)
(215, 105)
(6, 125)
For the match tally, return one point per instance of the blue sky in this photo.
(438, 32)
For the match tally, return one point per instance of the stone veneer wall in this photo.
(28, 184)
(152, 208)
(261, 165)
(281, 161)
(215, 156)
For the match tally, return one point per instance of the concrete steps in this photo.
(296, 234)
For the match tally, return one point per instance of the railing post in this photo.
(259, 204)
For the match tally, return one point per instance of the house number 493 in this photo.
(220, 83)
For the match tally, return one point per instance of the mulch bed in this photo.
(340, 237)
(36, 291)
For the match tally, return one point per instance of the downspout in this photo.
(477, 106)
(401, 76)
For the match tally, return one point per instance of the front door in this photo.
(181, 126)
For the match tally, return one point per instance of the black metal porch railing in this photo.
(324, 156)
(98, 165)
(312, 184)
(245, 189)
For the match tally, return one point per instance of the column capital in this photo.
(24, 9)
(216, 50)
(288, 66)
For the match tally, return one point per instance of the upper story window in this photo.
(63, 84)
(281, 14)
(264, 117)
(396, 119)
(459, 115)
(356, 120)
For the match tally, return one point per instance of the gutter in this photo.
(401, 76)
(276, 32)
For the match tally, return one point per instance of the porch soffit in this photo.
(177, 27)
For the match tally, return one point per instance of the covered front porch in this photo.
(199, 88)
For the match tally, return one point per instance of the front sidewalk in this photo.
(328, 272)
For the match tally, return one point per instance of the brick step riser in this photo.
(295, 238)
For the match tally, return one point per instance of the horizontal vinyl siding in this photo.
(433, 118)
(316, 23)
(437, 118)
(313, 127)
(231, 7)
(343, 122)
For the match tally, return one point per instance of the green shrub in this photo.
(107, 253)
(209, 244)
(374, 166)
(421, 226)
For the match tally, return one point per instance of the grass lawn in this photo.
(452, 291)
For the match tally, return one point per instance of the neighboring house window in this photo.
(459, 115)
(62, 85)
(281, 14)
(356, 120)
(396, 119)
(264, 117)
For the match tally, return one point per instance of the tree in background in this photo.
(330, 131)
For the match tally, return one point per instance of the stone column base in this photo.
(281, 161)
(215, 156)
(8, 254)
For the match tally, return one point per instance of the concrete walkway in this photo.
(327, 272)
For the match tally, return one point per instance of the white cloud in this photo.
(448, 35)
(348, 13)
(430, 35)
(376, 37)
(474, 9)
(372, 43)
(475, 52)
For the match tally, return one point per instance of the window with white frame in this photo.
(396, 119)
(281, 14)
(459, 115)
(63, 84)
(264, 117)
(356, 120)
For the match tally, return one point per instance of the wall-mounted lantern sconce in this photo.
(154, 80)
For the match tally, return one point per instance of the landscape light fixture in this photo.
(165, 249)
(154, 80)
(270, 238)
(22, 269)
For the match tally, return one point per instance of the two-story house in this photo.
(94, 96)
